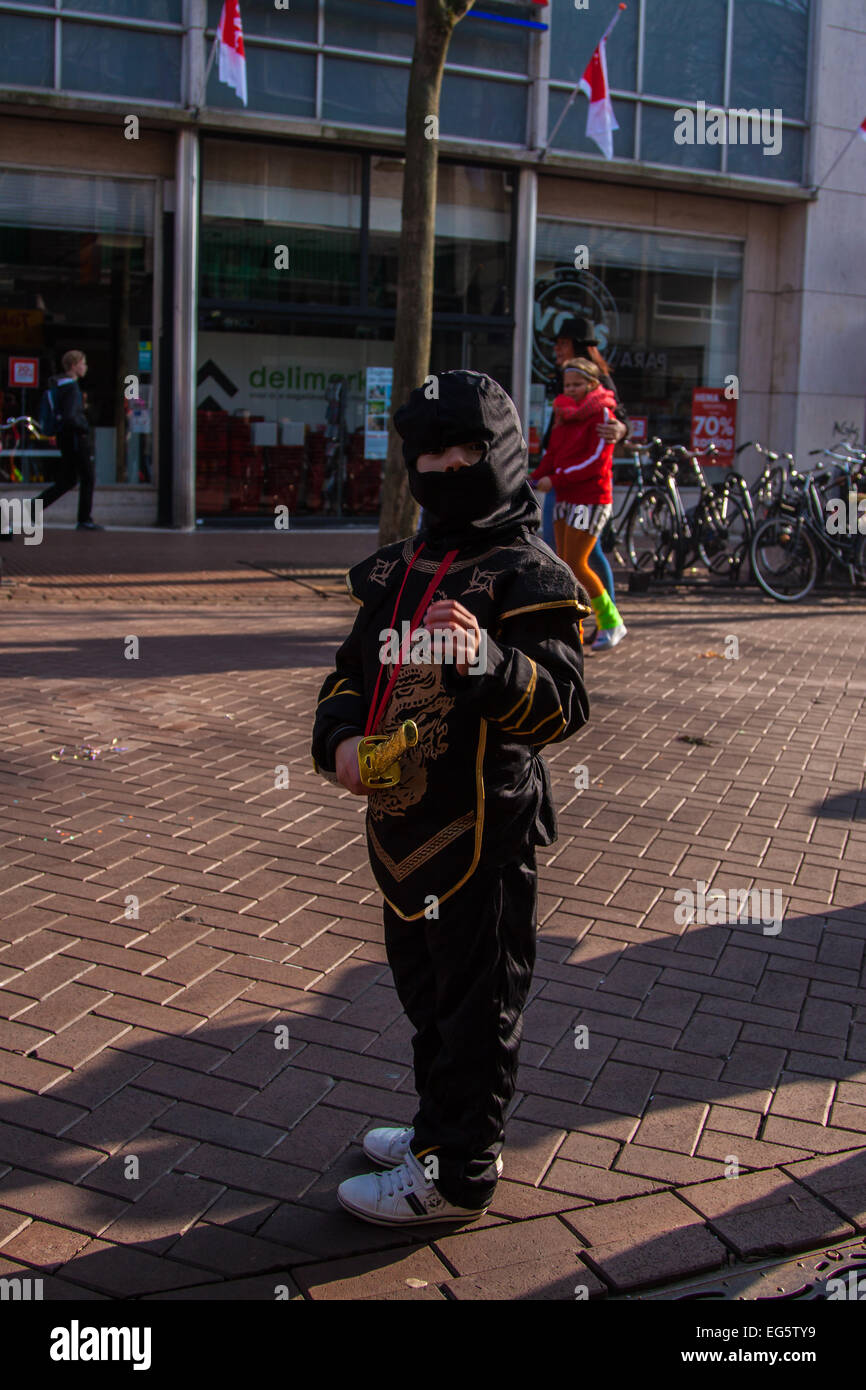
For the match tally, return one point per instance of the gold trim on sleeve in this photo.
(530, 695)
(337, 691)
(536, 607)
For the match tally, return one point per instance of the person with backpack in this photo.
(62, 415)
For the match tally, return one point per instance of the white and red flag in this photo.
(233, 60)
(600, 120)
(863, 129)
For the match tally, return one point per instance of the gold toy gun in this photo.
(378, 755)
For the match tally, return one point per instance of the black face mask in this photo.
(459, 495)
(482, 504)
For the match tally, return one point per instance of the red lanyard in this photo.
(373, 723)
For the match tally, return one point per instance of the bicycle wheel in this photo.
(768, 494)
(784, 560)
(723, 542)
(652, 537)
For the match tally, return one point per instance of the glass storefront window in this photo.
(666, 312)
(295, 414)
(258, 198)
(473, 238)
(281, 418)
(76, 264)
(294, 373)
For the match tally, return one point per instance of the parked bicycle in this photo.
(792, 548)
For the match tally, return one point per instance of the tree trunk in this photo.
(435, 20)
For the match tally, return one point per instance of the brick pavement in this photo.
(167, 919)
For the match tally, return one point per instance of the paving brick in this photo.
(81, 1041)
(183, 1084)
(229, 1253)
(595, 1184)
(242, 1211)
(63, 1007)
(250, 1290)
(367, 1276)
(123, 1272)
(802, 1098)
(328, 1233)
(11, 1222)
(45, 1154)
(44, 1246)
(316, 1140)
(59, 1202)
(118, 1119)
(818, 1138)
(663, 1166)
(230, 1131)
(554, 1279)
(551, 1111)
(515, 1201)
(623, 1088)
(505, 1245)
(247, 1172)
(590, 1149)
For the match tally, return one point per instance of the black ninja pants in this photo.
(463, 980)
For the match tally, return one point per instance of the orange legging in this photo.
(575, 548)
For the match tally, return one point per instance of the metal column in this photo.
(185, 327)
(524, 296)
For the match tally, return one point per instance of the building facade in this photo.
(231, 272)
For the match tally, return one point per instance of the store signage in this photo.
(23, 371)
(21, 328)
(285, 379)
(377, 411)
(714, 421)
(145, 356)
(637, 428)
(571, 294)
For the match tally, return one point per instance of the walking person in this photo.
(452, 844)
(576, 339)
(578, 468)
(73, 439)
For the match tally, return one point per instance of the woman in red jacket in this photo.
(578, 465)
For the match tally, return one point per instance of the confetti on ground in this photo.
(86, 753)
(710, 654)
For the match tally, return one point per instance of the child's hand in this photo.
(543, 484)
(346, 766)
(448, 613)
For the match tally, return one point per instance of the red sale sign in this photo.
(714, 421)
(23, 371)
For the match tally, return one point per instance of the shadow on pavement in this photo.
(239, 1145)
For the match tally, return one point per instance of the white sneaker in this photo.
(403, 1197)
(609, 637)
(389, 1147)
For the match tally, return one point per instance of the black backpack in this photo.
(50, 415)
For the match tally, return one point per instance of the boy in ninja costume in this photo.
(452, 844)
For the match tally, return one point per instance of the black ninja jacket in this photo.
(475, 787)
